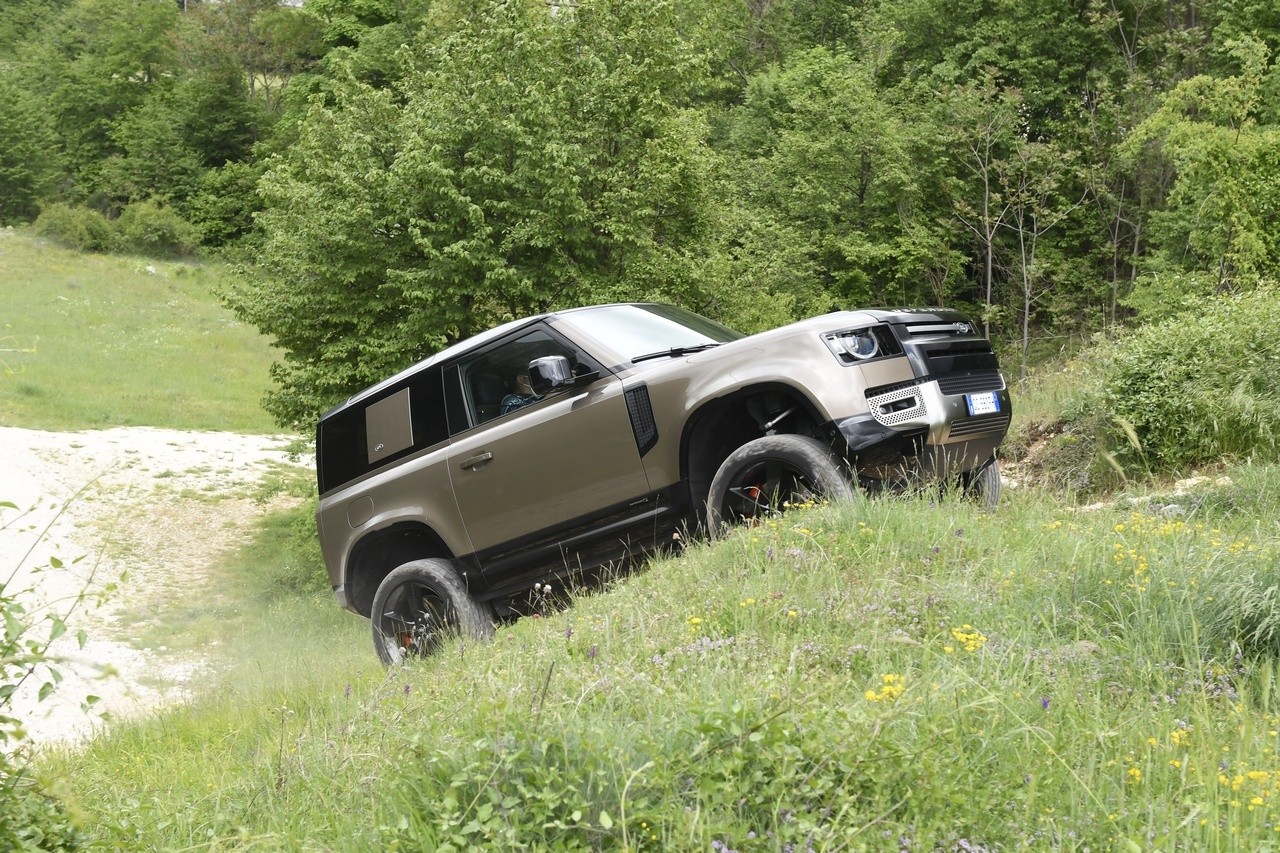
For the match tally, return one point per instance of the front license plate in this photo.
(986, 403)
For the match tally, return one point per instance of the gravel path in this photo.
(137, 516)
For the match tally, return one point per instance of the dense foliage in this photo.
(399, 174)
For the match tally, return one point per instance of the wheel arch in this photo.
(381, 551)
(723, 424)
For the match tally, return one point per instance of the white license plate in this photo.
(986, 403)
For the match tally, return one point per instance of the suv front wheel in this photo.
(419, 605)
(762, 476)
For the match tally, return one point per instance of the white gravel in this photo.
(138, 517)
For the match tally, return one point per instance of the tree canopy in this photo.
(393, 176)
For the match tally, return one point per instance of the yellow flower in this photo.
(1135, 774)
(892, 689)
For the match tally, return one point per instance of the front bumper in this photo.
(919, 428)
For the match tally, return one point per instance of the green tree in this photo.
(399, 222)
(100, 60)
(26, 163)
(1221, 209)
(823, 162)
(154, 159)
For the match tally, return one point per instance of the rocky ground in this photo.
(138, 518)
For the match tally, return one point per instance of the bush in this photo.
(150, 229)
(29, 818)
(1196, 388)
(76, 227)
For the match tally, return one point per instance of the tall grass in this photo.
(891, 674)
(96, 341)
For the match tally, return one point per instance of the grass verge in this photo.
(93, 341)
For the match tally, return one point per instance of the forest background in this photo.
(393, 175)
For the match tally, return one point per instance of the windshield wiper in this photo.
(674, 352)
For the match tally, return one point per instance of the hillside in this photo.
(906, 673)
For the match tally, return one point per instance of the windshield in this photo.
(635, 330)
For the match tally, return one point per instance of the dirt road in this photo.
(137, 517)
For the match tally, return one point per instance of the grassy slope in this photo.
(891, 674)
(102, 341)
(842, 678)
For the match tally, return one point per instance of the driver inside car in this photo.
(519, 398)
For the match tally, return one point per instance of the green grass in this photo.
(891, 672)
(94, 341)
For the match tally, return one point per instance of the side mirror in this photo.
(550, 373)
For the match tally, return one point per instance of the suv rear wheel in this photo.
(763, 475)
(421, 604)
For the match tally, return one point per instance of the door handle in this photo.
(477, 460)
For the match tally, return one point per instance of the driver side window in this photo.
(496, 382)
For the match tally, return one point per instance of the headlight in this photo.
(854, 345)
(861, 344)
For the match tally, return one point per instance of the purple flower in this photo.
(592, 652)
(1044, 702)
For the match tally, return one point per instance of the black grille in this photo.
(972, 383)
(978, 426)
(642, 421)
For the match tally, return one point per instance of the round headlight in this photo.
(860, 344)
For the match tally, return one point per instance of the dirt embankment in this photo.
(137, 517)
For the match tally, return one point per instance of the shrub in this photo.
(76, 227)
(1197, 387)
(29, 818)
(148, 228)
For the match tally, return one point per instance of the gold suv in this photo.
(579, 439)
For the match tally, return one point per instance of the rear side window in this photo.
(399, 421)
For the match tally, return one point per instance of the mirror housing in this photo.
(550, 373)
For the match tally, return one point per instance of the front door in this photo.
(536, 478)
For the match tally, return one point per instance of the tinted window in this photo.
(343, 438)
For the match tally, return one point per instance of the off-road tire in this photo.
(422, 604)
(983, 485)
(762, 475)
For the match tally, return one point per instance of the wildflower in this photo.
(1179, 737)
(892, 689)
(1135, 774)
(1044, 702)
(968, 637)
